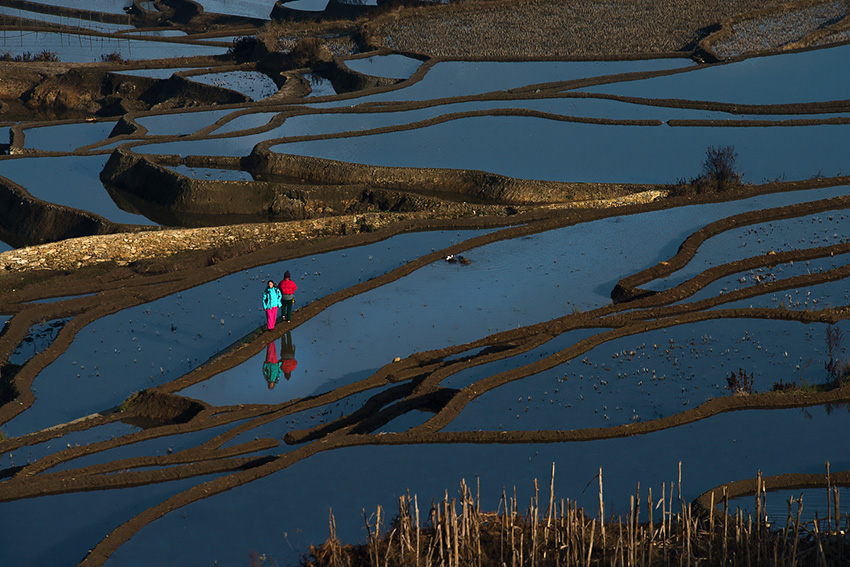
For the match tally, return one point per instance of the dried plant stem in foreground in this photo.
(457, 533)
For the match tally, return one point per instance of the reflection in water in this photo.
(287, 355)
(272, 367)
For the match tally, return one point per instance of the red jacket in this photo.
(288, 287)
(288, 364)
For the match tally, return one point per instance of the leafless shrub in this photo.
(740, 382)
(45, 55)
(113, 57)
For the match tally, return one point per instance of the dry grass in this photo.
(659, 530)
(556, 28)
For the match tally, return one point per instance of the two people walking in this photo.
(274, 366)
(281, 297)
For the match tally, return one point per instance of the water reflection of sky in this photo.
(809, 76)
(564, 151)
(106, 6)
(750, 278)
(245, 122)
(260, 9)
(180, 123)
(89, 24)
(816, 501)
(66, 137)
(84, 48)
(319, 85)
(307, 5)
(726, 447)
(508, 284)
(672, 370)
(32, 453)
(781, 235)
(820, 296)
(392, 66)
(208, 173)
(458, 78)
(72, 181)
(160, 341)
(252, 84)
(58, 534)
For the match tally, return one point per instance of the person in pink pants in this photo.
(271, 303)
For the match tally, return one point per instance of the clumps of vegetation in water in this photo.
(837, 366)
(720, 172)
(27, 57)
(741, 382)
(113, 57)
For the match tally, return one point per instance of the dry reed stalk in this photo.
(650, 512)
(502, 531)
(630, 530)
(513, 542)
(533, 516)
(821, 555)
(566, 536)
(838, 540)
(579, 542)
(711, 528)
(681, 502)
(786, 528)
(403, 517)
(389, 548)
(689, 534)
(797, 529)
(618, 547)
(416, 511)
(828, 494)
(521, 547)
(635, 542)
(550, 510)
(455, 534)
(669, 533)
(759, 513)
(438, 539)
(725, 523)
(447, 526)
(602, 515)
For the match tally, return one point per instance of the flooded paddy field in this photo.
(700, 332)
(80, 48)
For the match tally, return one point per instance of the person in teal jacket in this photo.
(271, 303)
(271, 367)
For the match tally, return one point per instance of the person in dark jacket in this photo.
(271, 303)
(287, 290)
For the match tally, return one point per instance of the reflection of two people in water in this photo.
(273, 367)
